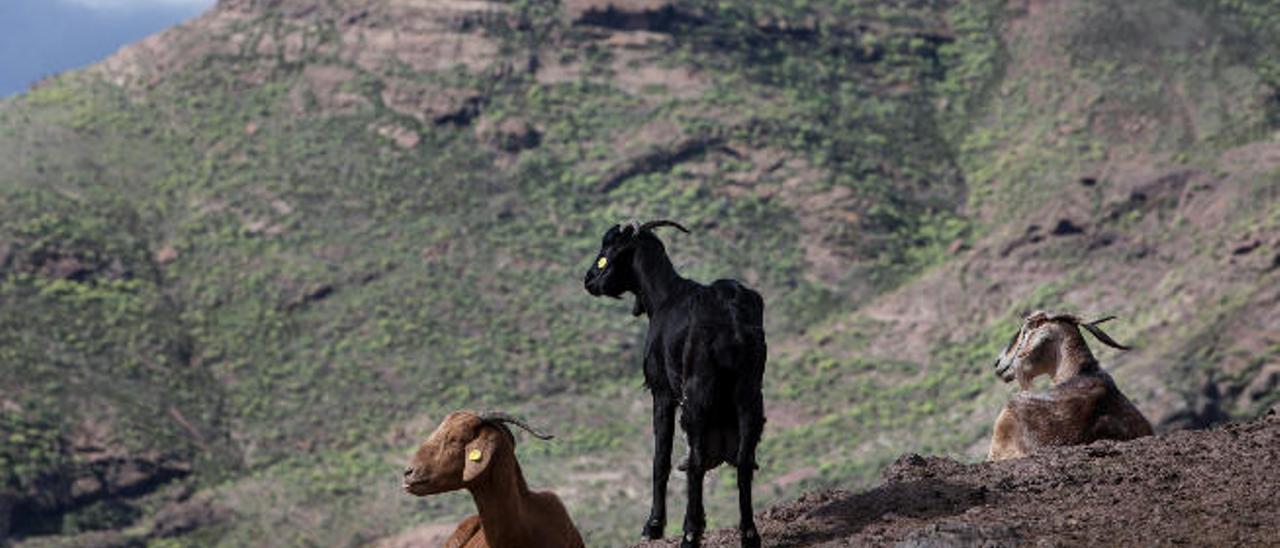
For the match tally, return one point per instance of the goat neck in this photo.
(1074, 357)
(655, 274)
(501, 496)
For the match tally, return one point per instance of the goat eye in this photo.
(601, 263)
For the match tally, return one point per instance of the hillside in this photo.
(1205, 488)
(248, 263)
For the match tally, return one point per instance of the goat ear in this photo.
(1103, 336)
(479, 453)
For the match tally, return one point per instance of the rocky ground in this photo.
(1201, 488)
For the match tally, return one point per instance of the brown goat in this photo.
(476, 452)
(1082, 406)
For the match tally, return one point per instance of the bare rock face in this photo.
(622, 14)
(189, 515)
(432, 104)
(324, 86)
(426, 36)
(96, 488)
(376, 36)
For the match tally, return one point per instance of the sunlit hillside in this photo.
(247, 264)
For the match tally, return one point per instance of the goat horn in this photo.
(1102, 320)
(1092, 328)
(663, 222)
(496, 417)
(1071, 318)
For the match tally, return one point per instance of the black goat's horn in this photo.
(663, 222)
(497, 417)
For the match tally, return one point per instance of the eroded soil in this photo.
(1217, 487)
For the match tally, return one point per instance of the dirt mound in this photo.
(1213, 487)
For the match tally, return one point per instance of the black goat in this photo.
(705, 352)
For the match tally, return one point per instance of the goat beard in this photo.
(638, 308)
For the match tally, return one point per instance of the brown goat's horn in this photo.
(496, 417)
(663, 222)
(1092, 327)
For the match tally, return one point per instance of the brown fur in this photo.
(1082, 406)
(510, 516)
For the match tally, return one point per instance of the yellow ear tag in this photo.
(474, 455)
(602, 262)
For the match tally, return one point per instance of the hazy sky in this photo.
(42, 37)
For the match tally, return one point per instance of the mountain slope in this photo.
(249, 262)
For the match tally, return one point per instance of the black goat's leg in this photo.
(693, 417)
(695, 517)
(664, 413)
(750, 424)
(749, 404)
(746, 522)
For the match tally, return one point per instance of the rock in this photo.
(86, 486)
(67, 268)
(403, 137)
(653, 15)
(1066, 228)
(658, 158)
(510, 135)
(187, 516)
(165, 255)
(1247, 247)
(431, 104)
(324, 86)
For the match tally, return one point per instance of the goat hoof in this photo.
(691, 540)
(750, 538)
(652, 530)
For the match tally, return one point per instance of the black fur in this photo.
(704, 352)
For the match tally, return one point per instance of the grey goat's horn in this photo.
(1093, 328)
